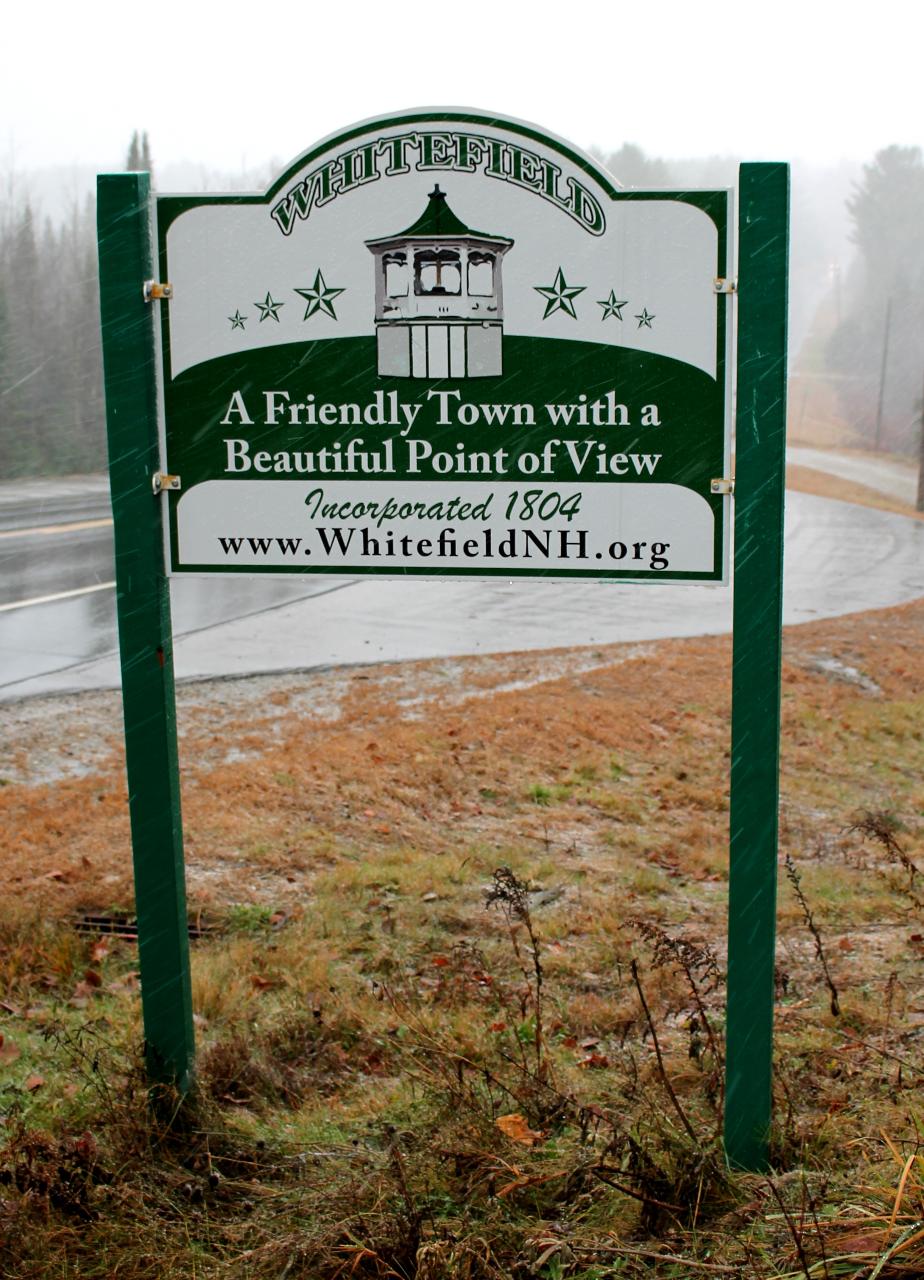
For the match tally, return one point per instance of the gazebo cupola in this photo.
(439, 302)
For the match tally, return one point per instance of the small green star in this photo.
(560, 296)
(320, 297)
(612, 307)
(644, 319)
(268, 308)
(237, 320)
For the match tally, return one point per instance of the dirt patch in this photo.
(823, 485)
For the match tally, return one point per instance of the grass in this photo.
(461, 1024)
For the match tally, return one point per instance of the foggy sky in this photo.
(236, 86)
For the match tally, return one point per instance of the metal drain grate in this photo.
(126, 926)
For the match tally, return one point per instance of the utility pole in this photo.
(882, 373)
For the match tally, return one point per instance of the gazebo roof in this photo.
(438, 222)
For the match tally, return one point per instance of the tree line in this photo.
(51, 393)
(876, 350)
(52, 411)
(51, 400)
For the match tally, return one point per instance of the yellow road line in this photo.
(76, 527)
(58, 595)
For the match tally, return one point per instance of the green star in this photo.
(560, 296)
(268, 308)
(237, 320)
(612, 307)
(644, 319)
(320, 297)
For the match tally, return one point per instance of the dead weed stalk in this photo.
(795, 880)
(699, 966)
(665, 1078)
(511, 897)
(880, 827)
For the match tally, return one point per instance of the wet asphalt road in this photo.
(839, 558)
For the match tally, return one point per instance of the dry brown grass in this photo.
(359, 1045)
(808, 480)
(628, 753)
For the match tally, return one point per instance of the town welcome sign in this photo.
(447, 343)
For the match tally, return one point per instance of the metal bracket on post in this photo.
(154, 292)
(161, 481)
(720, 285)
(724, 486)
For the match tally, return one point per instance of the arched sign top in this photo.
(464, 121)
(461, 143)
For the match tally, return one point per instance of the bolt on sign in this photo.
(446, 343)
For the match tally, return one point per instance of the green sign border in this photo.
(716, 204)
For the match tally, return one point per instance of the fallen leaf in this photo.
(498, 1026)
(85, 1146)
(99, 950)
(440, 961)
(9, 1052)
(594, 1060)
(259, 983)
(869, 1244)
(844, 944)
(514, 1127)
(34, 1082)
(92, 978)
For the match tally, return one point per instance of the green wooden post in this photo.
(145, 637)
(760, 473)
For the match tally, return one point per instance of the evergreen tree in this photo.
(51, 404)
(138, 159)
(887, 211)
(878, 348)
(5, 459)
(21, 401)
(630, 166)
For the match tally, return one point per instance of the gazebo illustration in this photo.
(439, 301)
